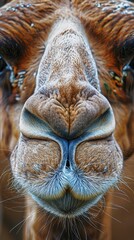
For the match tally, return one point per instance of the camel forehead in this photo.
(42, 15)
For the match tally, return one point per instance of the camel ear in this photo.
(128, 79)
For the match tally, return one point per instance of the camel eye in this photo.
(3, 65)
(131, 65)
(128, 79)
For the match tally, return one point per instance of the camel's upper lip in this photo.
(67, 205)
(77, 184)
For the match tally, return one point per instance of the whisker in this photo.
(21, 222)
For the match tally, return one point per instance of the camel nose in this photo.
(48, 110)
(67, 99)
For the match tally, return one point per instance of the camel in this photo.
(67, 86)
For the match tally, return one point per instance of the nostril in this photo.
(33, 127)
(103, 126)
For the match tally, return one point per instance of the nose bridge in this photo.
(67, 61)
(67, 96)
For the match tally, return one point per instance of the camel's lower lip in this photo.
(67, 206)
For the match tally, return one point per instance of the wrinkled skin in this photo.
(76, 104)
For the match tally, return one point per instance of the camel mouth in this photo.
(67, 206)
(54, 173)
(69, 193)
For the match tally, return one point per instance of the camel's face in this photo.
(66, 144)
(66, 157)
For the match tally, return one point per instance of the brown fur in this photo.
(67, 102)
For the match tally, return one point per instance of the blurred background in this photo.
(123, 205)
